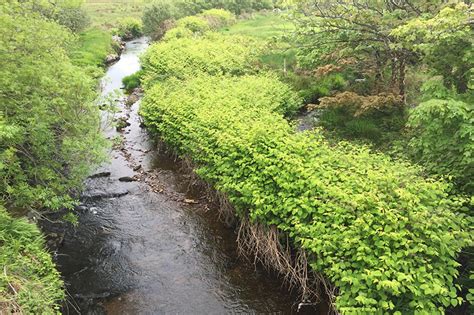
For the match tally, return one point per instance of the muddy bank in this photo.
(146, 244)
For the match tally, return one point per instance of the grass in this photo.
(29, 282)
(91, 49)
(107, 13)
(263, 26)
(272, 28)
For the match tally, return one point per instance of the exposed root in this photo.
(262, 244)
(268, 246)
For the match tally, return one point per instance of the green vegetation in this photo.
(428, 42)
(42, 88)
(187, 57)
(384, 235)
(390, 235)
(132, 81)
(29, 282)
(273, 30)
(160, 15)
(90, 49)
(443, 139)
(261, 26)
(106, 14)
(73, 17)
(193, 26)
(129, 28)
(48, 137)
(417, 51)
(217, 18)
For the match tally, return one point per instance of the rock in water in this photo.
(100, 174)
(111, 59)
(127, 179)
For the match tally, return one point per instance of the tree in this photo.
(335, 31)
(49, 125)
(445, 42)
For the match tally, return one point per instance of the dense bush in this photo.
(74, 18)
(157, 18)
(195, 24)
(386, 237)
(47, 105)
(132, 81)
(178, 32)
(218, 18)
(187, 57)
(68, 13)
(29, 283)
(312, 89)
(443, 139)
(262, 91)
(129, 28)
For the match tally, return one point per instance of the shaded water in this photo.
(148, 246)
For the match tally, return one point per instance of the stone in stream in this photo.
(100, 174)
(54, 240)
(81, 208)
(127, 179)
(122, 122)
(111, 58)
(132, 99)
(94, 210)
(190, 201)
(101, 194)
(138, 167)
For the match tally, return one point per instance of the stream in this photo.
(146, 245)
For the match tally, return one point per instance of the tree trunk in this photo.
(378, 72)
(461, 79)
(401, 78)
(393, 78)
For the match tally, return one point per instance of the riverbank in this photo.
(341, 205)
(146, 243)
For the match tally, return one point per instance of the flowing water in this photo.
(150, 247)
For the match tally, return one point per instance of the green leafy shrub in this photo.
(442, 139)
(255, 91)
(48, 102)
(195, 24)
(132, 81)
(378, 118)
(29, 282)
(218, 18)
(382, 234)
(68, 13)
(313, 89)
(74, 18)
(213, 54)
(129, 28)
(177, 32)
(158, 16)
